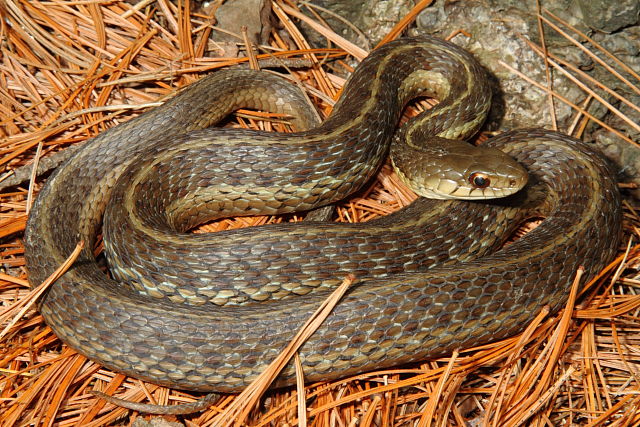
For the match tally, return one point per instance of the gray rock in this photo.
(378, 17)
(498, 29)
(373, 17)
(609, 16)
(494, 38)
(253, 14)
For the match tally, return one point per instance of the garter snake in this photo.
(431, 277)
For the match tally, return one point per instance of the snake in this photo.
(209, 311)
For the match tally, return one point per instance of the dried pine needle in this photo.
(107, 62)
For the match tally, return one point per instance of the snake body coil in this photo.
(431, 277)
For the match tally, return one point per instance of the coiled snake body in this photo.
(431, 277)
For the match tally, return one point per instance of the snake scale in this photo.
(432, 277)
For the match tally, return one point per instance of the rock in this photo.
(609, 16)
(493, 39)
(231, 16)
(373, 17)
(498, 30)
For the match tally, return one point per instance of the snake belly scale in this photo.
(432, 277)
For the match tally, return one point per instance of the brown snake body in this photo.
(431, 277)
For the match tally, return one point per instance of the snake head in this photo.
(457, 170)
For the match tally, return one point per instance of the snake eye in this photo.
(479, 180)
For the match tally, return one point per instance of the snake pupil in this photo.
(479, 180)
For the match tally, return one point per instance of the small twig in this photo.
(150, 408)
